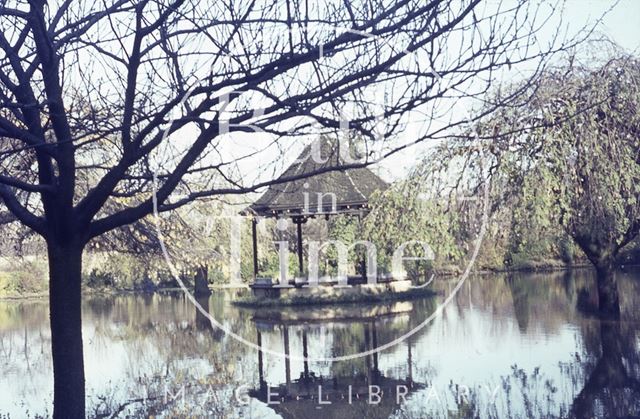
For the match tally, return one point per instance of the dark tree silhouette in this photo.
(95, 95)
(613, 379)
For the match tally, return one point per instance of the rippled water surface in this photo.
(520, 345)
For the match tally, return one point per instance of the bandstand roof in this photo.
(352, 187)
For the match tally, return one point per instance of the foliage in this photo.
(348, 230)
(569, 156)
(594, 156)
(195, 236)
(564, 166)
(563, 163)
(408, 216)
(23, 277)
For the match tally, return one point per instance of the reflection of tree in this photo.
(202, 321)
(518, 295)
(169, 344)
(524, 290)
(609, 367)
(568, 280)
(521, 294)
(612, 386)
(603, 378)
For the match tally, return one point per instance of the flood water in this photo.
(522, 345)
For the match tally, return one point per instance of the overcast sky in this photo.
(621, 24)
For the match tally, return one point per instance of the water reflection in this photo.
(513, 345)
(611, 387)
(361, 386)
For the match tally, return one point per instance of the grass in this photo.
(364, 297)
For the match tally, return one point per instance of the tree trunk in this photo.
(65, 270)
(608, 301)
(201, 282)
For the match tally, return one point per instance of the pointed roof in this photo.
(315, 194)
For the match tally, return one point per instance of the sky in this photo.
(620, 24)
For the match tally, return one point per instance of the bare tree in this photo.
(6, 218)
(97, 95)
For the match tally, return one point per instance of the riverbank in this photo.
(16, 294)
(91, 291)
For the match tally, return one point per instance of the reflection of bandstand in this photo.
(337, 394)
